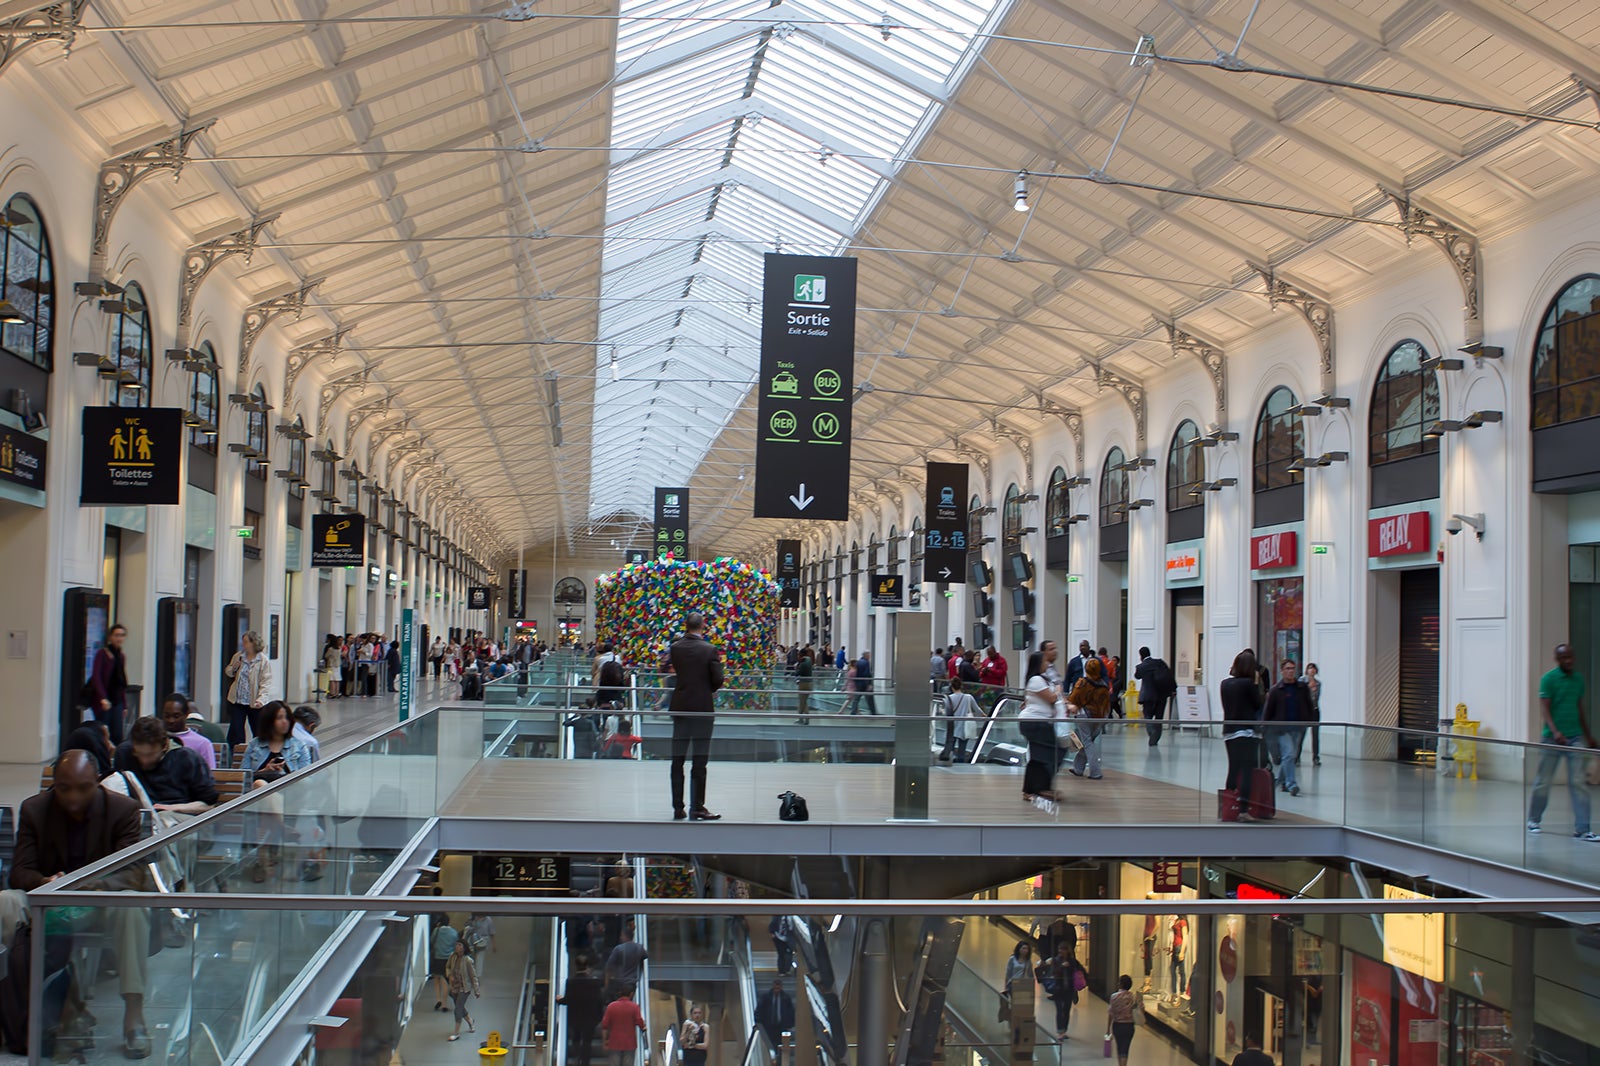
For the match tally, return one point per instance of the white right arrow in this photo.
(802, 501)
(945, 573)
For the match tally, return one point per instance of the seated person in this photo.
(621, 744)
(175, 716)
(94, 738)
(68, 826)
(174, 779)
(215, 732)
(273, 753)
(306, 720)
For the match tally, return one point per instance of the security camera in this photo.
(1457, 522)
(1453, 526)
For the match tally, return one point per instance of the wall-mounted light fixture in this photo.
(1204, 487)
(1480, 350)
(1439, 362)
(1075, 519)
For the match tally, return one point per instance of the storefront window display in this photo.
(1280, 621)
(1158, 951)
(1270, 979)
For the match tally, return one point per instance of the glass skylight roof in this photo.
(739, 128)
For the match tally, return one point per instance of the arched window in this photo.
(1280, 438)
(27, 284)
(1011, 515)
(1058, 504)
(1186, 467)
(894, 548)
(974, 524)
(1405, 402)
(255, 434)
(352, 496)
(132, 350)
(204, 399)
(874, 553)
(1113, 489)
(1566, 361)
(297, 459)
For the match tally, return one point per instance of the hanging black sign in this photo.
(517, 594)
(21, 458)
(808, 350)
(887, 591)
(132, 456)
(789, 572)
(634, 556)
(672, 523)
(477, 598)
(944, 534)
(499, 874)
(338, 540)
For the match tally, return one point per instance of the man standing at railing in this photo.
(1561, 693)
(864, 684)
(698, 666)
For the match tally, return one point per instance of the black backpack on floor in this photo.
(792, 808)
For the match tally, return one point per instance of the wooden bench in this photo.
(231, 784)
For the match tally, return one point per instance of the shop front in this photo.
(1404, 614)
(1278, 577)
(1159, 950)
(1186, 612)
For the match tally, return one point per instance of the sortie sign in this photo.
(132, 456)
(1398, 534)
(944, 524)
(789, 572)
(672, 523)
(808, 350)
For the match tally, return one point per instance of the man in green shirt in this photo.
(1565, 726)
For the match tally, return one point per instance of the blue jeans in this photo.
(1551, 759)
(1287, 738)
(1087, 760)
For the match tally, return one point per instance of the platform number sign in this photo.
(494, 875)
(944, 534)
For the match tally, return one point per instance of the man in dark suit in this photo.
(1157, 686)
(775, 1015)
(697, 664)
(68, 826)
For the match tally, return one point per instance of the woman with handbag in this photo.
(1092, 696)
(1123, 1013)
(252, 677)
(1062, 978)
(1019, 978)
(107, 688)
(1036, 721)
(271, 755)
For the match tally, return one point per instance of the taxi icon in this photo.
(786, 384)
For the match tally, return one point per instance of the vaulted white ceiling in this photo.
(499, 198)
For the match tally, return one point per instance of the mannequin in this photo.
(1178, 945)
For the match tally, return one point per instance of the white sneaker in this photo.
(1589, 837)
(1533, 827)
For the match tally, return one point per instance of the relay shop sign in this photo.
(132, 456)
(21, 458)
(1398, 534)
(944, 524)
(1274, 550)
(477, 598)
(888, 591)
(789, 572)
(338, 540)
(808, 348)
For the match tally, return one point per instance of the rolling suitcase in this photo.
(1263, 794)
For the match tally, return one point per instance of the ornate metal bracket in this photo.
(1131, 391)
(1024, 445)
(303, 356)
(202, 259)
(55, 22)
(259, 316)
(119, 176)
(893, 493)
(985, 464)
(357, 416)
(1070, 418)
(1317, 312)
(1210, 357)
(1459, 246)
